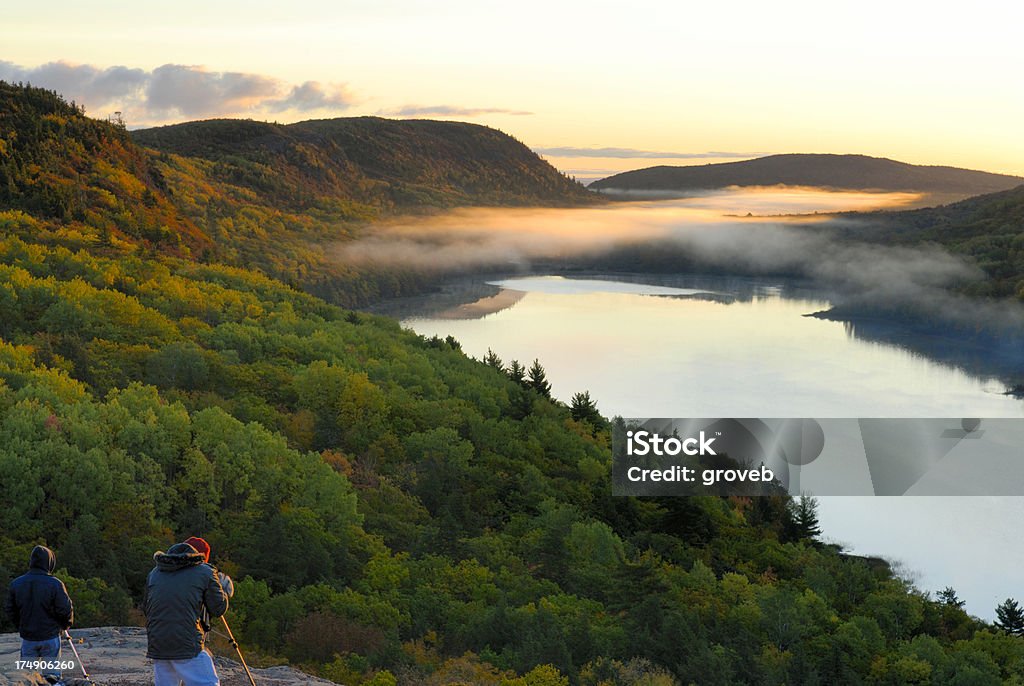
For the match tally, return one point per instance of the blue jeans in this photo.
(48, 650)
(198, 671)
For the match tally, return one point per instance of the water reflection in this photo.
(719, 346)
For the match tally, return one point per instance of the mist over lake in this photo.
(726, 304)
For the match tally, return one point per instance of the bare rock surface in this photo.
(116, 656)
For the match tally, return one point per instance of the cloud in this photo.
(630, 153)
(195, 92)
(74, 81)
(449, 111)
(313, 95)
(173, 92)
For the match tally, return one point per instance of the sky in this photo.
(651, 82)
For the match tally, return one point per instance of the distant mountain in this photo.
(379, 162)
(846, 172)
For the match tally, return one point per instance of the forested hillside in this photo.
(848, 172)
(379, 162)
(988, 228)
(392, 510)
(239, 187)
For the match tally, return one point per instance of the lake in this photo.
(707, 347)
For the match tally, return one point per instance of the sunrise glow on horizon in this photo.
(907, 81)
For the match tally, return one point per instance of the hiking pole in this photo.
(71, 642)
(234, 644)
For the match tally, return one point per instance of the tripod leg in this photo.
(78, 658)
(234, 644)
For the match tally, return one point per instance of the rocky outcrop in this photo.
(116, 656)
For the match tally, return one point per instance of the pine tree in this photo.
(948, 596)
(492, 360)
(802, 519)
(1010, 617)
(584, 409)
(537, 379)
(516, 372)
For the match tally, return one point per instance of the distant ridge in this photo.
(841, 172)
(384, 163)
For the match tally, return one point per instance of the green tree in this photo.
(517, 372)
(584, 409)
(492, 360)
(1010, 617)
(802, 520)
(537, 379)
(948, 596)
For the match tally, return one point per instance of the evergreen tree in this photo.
(1010, 617)
(517, 372)
(802, 519)
(584, 409)
(492, 360)
(948, 596)
(537, 379)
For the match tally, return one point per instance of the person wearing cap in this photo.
(182, 592)
(225, 581)
(38, 604)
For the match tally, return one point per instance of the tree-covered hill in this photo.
(381, 162)
(83, 178)
(240, 186)
(989, 229)
(392, 510)
(847, 172)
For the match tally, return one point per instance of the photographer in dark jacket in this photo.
(40, 607)
(180, 592)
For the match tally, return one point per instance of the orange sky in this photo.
(907, 80)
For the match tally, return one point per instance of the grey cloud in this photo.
(193, 91)
(312, 95)
(115, 82)
(173, 91)
(450, 111)
(629, 153)
(79, 82)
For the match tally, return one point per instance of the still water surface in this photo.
(709, 347)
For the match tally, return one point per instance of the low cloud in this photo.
(195, 92)
(173, 92)
(692, 234)
(449, 111)
(75, 80)
(313, 95)
(630, 153)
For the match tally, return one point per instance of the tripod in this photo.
(234, 644)
(71, 642)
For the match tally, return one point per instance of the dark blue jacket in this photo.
(37, 602)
